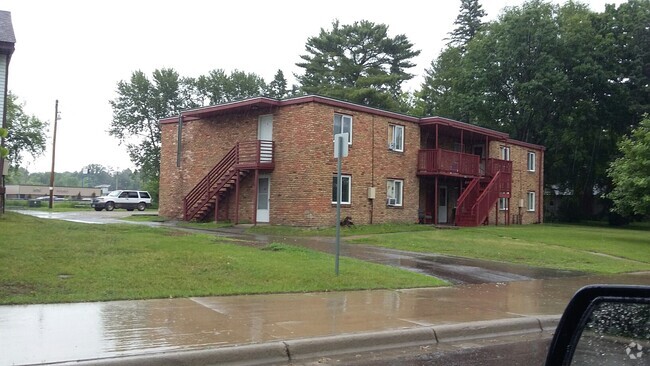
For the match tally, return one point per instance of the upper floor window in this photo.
(343, 124)
(396, 138)
(505, 153)
(346, 181)
(394, 192)
(531, 201)
(531, 161)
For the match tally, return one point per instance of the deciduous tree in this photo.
(219, 87)
(630, 173)
(25, 133)
(140, 104)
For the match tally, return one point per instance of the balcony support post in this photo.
(216, 209)
(237, 198)
(255, 190)
(462, 151)
(435, 198)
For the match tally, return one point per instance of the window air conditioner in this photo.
(391, 201)
(391, 146)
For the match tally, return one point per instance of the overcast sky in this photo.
(77, 51)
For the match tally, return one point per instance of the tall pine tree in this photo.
(359, 63)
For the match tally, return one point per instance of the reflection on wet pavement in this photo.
(65, 332)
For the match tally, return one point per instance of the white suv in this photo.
(130, 200)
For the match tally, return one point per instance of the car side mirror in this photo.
(604, 325)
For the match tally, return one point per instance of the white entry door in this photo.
(265, 133)
(442, 204)
(263, 195)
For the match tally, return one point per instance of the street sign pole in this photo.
(340, 151)
(339, 192)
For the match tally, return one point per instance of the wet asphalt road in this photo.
(455, 270)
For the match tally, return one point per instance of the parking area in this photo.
(91, 217)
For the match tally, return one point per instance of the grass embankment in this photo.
(573, 247)
(45, 261)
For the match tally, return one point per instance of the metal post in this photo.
(339, 193)
(56, 118)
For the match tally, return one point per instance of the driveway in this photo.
(93, 217)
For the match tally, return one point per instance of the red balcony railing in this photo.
(498, 165)
(440, 161)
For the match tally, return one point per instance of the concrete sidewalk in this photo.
(281, 328)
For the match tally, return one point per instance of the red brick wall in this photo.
(301, 183)
(523, 181)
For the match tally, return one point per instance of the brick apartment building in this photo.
(265, 160)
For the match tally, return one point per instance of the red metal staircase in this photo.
(478, 198)
(226, 175)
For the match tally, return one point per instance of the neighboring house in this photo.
(105, 188)
(272, 161)
(23, 191)
(7, 41)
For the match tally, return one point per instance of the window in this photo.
(345, 196)
(394, 191)
(505, 153)
(343, 124)
(531, 161)
(133, 195)
(396, 138)
(503, 204)
(531, 201)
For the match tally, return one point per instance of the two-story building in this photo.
(265, 160)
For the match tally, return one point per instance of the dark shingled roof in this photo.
(6, 29)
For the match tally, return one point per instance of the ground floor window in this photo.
(531, 201)
(503, 204)
(345, 192)
(394, 192)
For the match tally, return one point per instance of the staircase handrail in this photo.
(465, 198)
(202, 191)
(481, 208)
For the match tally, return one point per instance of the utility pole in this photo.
(56, 118)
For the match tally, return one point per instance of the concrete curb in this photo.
(362, 342)
(310, 348)
(255, 354)
(486, 329)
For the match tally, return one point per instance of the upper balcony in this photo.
(453, 163)
(256, 154)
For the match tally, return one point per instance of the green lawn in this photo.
(584, 248)
(46, 261)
